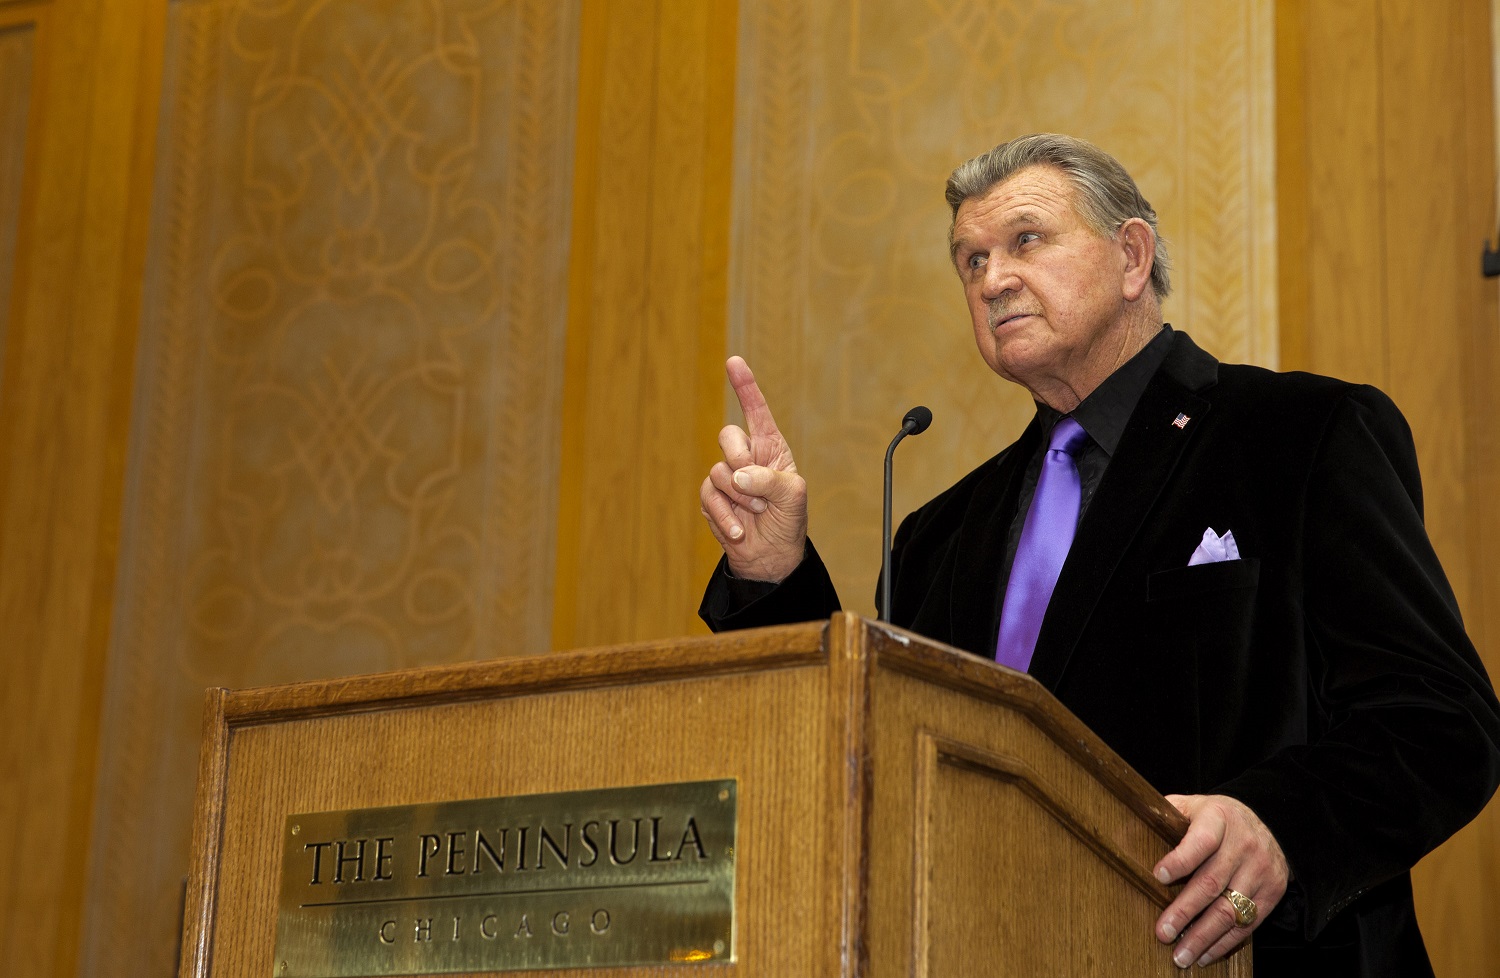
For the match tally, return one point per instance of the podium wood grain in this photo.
(904, 809)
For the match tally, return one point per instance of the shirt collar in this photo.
(1105, 412)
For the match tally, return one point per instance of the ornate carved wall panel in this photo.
(17, 52)
(345, 447)
(850, 116)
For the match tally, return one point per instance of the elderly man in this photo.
(1221, 569)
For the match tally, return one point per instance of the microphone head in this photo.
(917, 420)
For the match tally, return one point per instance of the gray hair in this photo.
(1105, 195)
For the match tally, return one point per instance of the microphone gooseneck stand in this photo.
(915, 422)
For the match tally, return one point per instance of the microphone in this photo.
(915, 422)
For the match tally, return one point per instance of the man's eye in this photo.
(976, 260)
(1026, 237)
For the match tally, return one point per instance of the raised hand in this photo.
(1226, 845)
(754, 500)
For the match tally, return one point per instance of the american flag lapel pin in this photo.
(1181, 420)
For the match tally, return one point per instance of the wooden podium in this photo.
(904, 809)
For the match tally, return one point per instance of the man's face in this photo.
(1046, 293)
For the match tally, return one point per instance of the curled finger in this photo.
(1215, 925)
(1204, 836)
(719, 512)
(722, 477)
(735, 445)
(1221, 948)
(1195, 900)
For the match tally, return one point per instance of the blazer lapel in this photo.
(974, 599)
(1144, 461)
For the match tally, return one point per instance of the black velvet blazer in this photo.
(1324, 679)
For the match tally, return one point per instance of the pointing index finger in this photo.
(758, 419)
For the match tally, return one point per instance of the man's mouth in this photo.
(998, 322)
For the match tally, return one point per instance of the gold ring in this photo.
(1244, 907)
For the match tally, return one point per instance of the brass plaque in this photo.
(621, 876)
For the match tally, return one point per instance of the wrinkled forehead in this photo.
(1035, 195)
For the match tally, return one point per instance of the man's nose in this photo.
(999, 278)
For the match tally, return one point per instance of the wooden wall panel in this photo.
(646, 317)
(1386, 160)
(1345, 258)
(69, 345)
(345, 438)
(1458, 887)
(17, 59)
(1482, 358)
(1430, 236)
(853, 114)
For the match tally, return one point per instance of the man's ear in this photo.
(1138, 243)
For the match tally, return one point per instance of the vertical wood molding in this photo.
(1482, 355)
(1225, 275)
(64, 412)
(606, 310)
(1292, 205)
(646, 316)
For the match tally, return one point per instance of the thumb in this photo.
(1183, 803)
(773, 485)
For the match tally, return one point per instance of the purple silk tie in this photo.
(1045, 539)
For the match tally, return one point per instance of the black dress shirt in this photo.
(1103, 415)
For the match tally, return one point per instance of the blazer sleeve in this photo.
(807, 594)
(1410, 744)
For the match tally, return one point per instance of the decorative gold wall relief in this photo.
(349, 385)
(851, 116)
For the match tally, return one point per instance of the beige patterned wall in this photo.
(349, 386)
(851, 113)
(17, 51)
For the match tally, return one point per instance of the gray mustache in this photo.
(999, 310)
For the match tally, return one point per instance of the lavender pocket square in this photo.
(1215, 548)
